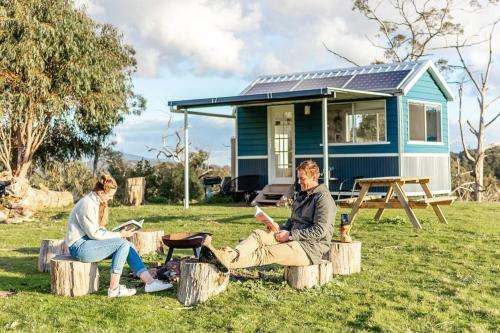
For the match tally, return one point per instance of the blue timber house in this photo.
(371, 121)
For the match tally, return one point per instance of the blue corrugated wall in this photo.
(253, 167)
(426, 89)
(252, 131)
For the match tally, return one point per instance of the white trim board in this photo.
(426, 154)
(253, 157)
(415, 76)
(347, 155)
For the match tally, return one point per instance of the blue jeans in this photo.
(118, 249)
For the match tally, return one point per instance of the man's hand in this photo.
(127, 233)
(282, 236)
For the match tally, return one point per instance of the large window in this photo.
(361, 122)
(425, 122)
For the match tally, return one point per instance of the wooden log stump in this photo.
(346, 257)
(70, 277)
(134, 191)
(49, 248)
(146, 242)
(303, 277)
(200, 281)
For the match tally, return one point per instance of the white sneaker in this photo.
(157, 285)
(121, 291)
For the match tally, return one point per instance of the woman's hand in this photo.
(127, 233)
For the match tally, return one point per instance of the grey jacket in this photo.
(312, 220)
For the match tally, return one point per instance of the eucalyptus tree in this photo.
(58, 66)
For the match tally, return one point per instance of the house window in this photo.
(425, 122)
(361, 122)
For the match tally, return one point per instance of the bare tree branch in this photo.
(492, 120)
(339, 55)
(492, 101)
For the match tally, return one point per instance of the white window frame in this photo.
(352, 127)
(425, 103)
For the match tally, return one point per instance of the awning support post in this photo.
(324, 117)
(186, 161)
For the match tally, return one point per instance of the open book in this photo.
(266, 219)
(129, 225)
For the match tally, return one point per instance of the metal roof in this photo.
(359, 82)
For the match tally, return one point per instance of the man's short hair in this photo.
(310, 168)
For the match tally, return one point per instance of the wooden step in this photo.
(268, 201)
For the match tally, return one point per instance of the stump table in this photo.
(146, 242)
(345, 257)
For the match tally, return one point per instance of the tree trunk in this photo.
(134, 191)
(146, 242)
(49, 248)
(200, 281)
(69, 277)
(479, 178)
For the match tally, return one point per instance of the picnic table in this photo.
(394, 186)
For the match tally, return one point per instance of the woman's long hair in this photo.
(105, 184)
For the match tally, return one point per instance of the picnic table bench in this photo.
(394, 186)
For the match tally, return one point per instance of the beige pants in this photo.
(260, 248)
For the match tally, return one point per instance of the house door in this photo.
(281, 144)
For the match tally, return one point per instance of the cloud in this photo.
(199, 36)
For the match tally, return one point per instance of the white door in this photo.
(281, 144)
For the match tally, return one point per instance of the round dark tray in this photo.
(185, 240)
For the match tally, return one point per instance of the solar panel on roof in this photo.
(336, 82)
(377, 81)
(271, 87)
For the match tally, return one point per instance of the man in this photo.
(303, 240)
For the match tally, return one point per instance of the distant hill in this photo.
(135, 158)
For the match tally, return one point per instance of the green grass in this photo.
(442, 279)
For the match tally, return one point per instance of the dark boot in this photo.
(209, 254)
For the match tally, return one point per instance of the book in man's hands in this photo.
(266, 219)
(132, 225)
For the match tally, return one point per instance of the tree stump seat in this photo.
(304, 277)
(146, 242)
(70, 277)
(49, 248)
(345, 257)
(200, 281)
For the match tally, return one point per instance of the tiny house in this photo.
(370, 121)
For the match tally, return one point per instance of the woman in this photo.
(89, 241)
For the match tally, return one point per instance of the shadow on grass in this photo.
(362, 321)
(28, 250)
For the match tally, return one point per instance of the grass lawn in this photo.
(442, 279)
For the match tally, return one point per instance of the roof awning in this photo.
(240, 100)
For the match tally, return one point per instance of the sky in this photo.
(189, 49)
